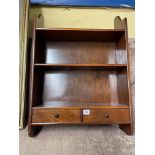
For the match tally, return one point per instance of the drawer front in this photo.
(55, 115)
(110, 116)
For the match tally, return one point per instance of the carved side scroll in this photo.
(39, 21)
(120, 23)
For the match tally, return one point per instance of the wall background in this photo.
(83, 17)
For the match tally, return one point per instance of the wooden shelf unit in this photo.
(80, 76)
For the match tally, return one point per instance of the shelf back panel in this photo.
(80, 52)
(81, 87)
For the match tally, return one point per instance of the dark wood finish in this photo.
(52, 52)
(31, 130)
(108, 116)
(79, 35)
(80, 52)
(122, 87)
(53, 115)
(69, 105)
(82, 65)
(122, 24)
(80, 69)
(127, 128)
(81, 86)
(121, 54)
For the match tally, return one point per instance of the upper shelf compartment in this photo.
(79, 35)
(80, 46)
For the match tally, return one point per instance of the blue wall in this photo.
(87, 3)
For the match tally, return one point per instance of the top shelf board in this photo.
(77, 29)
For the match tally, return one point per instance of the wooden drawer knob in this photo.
(56, 116)
(106, 115)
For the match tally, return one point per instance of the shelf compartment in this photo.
(71, 88)
(66, 34)
(79, 47)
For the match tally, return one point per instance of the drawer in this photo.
(55, 115)
(110, 116)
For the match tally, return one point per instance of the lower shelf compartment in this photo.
(104, 87)
(43, 116)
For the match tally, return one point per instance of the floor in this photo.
(77, 140)
(81, 140)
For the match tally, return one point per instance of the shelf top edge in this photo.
(80, 107)
(80, 29)
(99, 65)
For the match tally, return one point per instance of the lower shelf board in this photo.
(80, 105)
(79, 123)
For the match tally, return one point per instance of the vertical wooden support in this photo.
(122, 24)
(37, 22)
(31, 129)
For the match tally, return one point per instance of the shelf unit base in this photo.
(36, 128)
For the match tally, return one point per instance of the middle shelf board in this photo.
(48, 67)
(91, 65)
